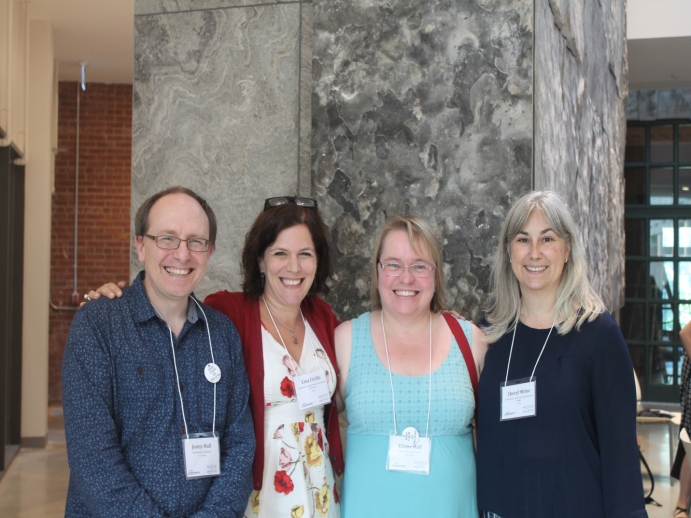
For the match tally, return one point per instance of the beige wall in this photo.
(13, 72)
(37, 214)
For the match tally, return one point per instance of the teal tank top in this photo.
(368, 391)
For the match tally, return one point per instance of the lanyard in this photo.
(393, 398)
(177, 377)
(295, 367)
(538, 358)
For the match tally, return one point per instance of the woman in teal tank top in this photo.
(407, 388)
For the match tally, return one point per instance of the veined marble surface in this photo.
(580, 130)
(216, 109)
(420, 107)
(175, 6)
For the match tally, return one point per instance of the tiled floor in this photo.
(655, 448)
(36, 483)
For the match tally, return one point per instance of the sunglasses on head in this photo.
(295, 200)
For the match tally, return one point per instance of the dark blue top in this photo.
(578, 456)
(123, 421)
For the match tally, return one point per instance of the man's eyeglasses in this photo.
(418, 270)
(194, 244)
(295, 200)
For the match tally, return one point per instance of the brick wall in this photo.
(104, 203)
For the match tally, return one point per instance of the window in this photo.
(657, 174)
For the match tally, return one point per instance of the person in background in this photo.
(287, 334)
(155, 392)
(407, 386)
(557, 404)
(682, 505)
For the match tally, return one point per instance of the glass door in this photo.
(657, 173)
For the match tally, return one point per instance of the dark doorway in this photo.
(11, 278)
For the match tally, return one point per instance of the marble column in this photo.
(449, 109)
(580, 125)
(221, 105)
(421, 107)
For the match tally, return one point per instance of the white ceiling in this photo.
(101, 32)
(659, 63)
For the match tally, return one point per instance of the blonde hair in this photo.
(421, 239)
(576, 299)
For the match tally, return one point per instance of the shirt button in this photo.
(141, 369)
(181, 387)
(182, 430)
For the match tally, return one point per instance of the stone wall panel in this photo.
(420, 107)
(216, 109)
(580, 125)
(650, 105)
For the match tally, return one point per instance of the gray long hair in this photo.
(576, 299)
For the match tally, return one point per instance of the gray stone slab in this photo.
(147, 7)
(647, 105)
(216, 109)
(659, 104)
(306, 51)
(674, 104)
(632, 106)
(580, 127)
(421, 107)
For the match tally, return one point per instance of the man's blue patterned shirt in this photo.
(123, 420)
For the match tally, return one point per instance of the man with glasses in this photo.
(155, 391)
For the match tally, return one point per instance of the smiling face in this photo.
(171, 275)
(538, 256)
(404, 295)
(289, 265)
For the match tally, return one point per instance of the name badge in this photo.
(518, 399)
(312, 390)
(202, 456)
(409, 452)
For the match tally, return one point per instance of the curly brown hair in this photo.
(264, 232)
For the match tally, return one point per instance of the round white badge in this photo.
(212, 372)
(410, 435)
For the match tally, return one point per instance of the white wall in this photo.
(658, 19)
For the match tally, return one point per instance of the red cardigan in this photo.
(244, 313)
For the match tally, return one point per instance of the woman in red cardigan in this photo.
(287, 335)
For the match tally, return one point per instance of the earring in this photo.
(262, 274)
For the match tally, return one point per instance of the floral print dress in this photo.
(298, 480)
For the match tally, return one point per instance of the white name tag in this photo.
(518, 399)
(202, 456)
(312, 390)
(409, 452)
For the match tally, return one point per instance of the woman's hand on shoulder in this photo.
(344, 345)
(110, 290)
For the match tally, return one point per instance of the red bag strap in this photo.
(467, 353)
